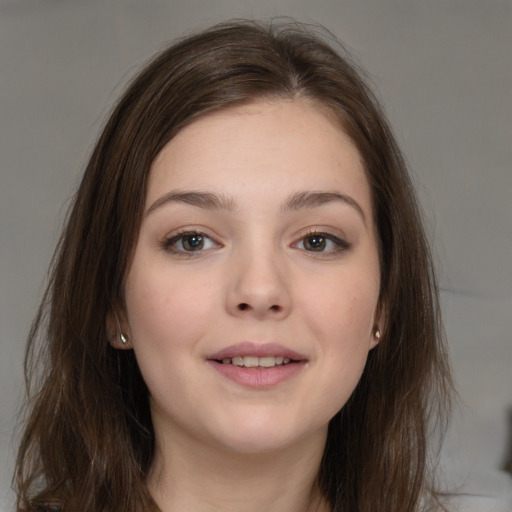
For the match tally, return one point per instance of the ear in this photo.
(379, 325)
(375, 337)
(118, 331)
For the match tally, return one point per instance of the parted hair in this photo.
(88, 440)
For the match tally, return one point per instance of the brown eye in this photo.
(193, 242)
(188, 242)
(323, 243)
(315, 243)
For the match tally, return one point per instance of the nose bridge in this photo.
(259, 280)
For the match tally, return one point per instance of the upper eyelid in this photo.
(176, 233)
(341, 243)
(171, 239)
(332, 233)
(335, 233)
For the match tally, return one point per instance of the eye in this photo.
(188, 242)
(322, 243)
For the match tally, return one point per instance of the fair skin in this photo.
(251, 304)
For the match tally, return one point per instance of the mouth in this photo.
(257, 365)
(256, 362)
(257, 355)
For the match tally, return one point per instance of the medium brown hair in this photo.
(88, 441)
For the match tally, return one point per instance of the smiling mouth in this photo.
(257, 362)
(258, 366)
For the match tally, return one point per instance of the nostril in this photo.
(243, 306)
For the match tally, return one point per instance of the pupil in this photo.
(315, 243)
(193, 242)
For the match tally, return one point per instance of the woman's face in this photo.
(252, 295)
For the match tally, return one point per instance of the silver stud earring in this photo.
(123, 337)
(376, 333)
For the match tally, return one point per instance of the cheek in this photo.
(165, 309)
(341, 320)
(167, 314)
(342, 313)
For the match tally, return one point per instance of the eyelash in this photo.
(169, 244)
(340, 245)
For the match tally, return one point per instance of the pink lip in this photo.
(257, 377)
(248, 348)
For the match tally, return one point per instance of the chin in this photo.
(262, 437)
(255, 446)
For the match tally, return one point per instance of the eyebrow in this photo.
(305, 200)
(206, 200)
(212, 201)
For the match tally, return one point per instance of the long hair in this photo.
(88, 441)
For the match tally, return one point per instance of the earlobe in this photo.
(377, 330)
(120, 340)
(117, 335)
(376, 337)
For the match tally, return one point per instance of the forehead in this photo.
(267, 144)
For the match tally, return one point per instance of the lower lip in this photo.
(258, 377)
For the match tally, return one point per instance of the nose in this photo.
(259, 287)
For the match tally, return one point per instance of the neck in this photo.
(193, 476)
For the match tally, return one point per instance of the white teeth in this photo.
(237, 361)
(254, 362)
(267, 362)
(251, 361)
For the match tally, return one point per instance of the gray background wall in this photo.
(444, 71)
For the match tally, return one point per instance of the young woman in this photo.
(242, 313)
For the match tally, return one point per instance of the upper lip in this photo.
(248, 348)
